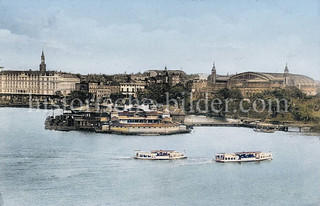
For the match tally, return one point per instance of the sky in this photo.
(111, 37)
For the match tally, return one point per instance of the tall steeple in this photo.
(213, 74)
(286, 75)
(43, 65)
(286, 70)
(166, 73)
(213, 67)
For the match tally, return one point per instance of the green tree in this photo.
(80, 95)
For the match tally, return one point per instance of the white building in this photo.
(40, 82)
(131, 88)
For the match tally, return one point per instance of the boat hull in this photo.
(244, 160)
(265, 131)
(159, 155)
(160, 158)
(255, 156)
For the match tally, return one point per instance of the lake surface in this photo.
(42, 167)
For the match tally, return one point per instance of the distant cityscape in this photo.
(44, 83)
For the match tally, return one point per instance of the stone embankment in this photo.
(201, 120)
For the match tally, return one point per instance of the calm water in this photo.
(40, 167)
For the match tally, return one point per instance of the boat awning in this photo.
(154, 151)
(256, 152)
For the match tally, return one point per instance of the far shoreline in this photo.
(216, 122)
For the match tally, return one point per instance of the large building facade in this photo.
(132, 89)
(251, 83)
(40, 82)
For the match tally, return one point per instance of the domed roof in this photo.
(301, 79)
(259, 76)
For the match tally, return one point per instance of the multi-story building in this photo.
(132, 88)
(40, 82)
(166, 76)
(115, 89)
(98, 89)
(250, 83)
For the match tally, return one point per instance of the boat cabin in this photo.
(243, 156)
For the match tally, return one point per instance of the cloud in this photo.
(258, 38)
(7, 37)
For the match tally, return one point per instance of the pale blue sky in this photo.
(118, 36)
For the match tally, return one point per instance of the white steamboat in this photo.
(243, 157)
(159, 155)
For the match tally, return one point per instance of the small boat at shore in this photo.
(243, 156)
(264, 130)
(159, 155)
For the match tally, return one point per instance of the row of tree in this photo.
(282, 105)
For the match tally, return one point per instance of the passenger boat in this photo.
(265, 129)
(243, 156)
(159, 155)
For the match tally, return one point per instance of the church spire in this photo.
(286, 70)
(286, 75)
(213, 67)
(43, 65)
(213, 76)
